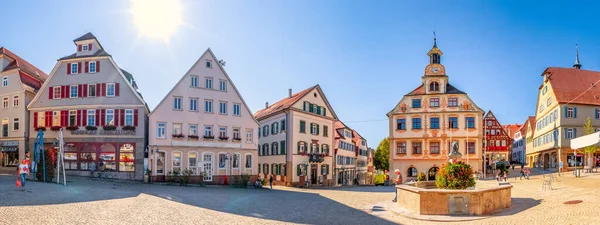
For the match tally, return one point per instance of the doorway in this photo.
(313, 174)
(431, 174)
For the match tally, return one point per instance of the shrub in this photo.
(244, 178)
(421, 177)
(185, 178)
(172, 177)
(50, 168)
(455, 176)
(55, 128)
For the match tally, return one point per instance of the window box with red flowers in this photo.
(109, 127)
(72, 128)
(178, 136)
(223, 138)
(195, 137)
(40, 128)
(131, 128)
(91, 128)
(55, 128)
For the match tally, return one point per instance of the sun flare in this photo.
(157, 18)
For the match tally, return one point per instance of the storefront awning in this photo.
(587, 140)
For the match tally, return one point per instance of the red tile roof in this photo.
(511, 129)
(569, 84)
(282, 104)
(22, 64)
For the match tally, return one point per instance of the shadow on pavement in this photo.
(519, 205)
(278, 205)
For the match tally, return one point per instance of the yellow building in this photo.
(424, 123)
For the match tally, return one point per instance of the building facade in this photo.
(301, 130)
(98, 107)
(496, 143)
(519, 144)
(346, 168)
(20, 81)
(203, 125)
(362, 159)
(428, 119)
(560, 115)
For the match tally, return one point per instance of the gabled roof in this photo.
(100, 52)
(86, 36)
(490, 114)
(511, 129)
(23, 65)
(569, 84)
(449, 90)
(531, 121)
(282, 104)
(338, 126)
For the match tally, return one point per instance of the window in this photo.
(194, 81)
(302, 126)
(314, 129)
(223, 85)
(4, 81)
(41, 119)
(90, 87)
(235, 161)
(177, 103)
(5, 102)
(401, 124)
(416, 103)
(453, 122)
(249, 135)
(236, 109)
(16, 126)
(91, 117)
(549, 101)
(222, 159)
(208, 106)
(544, 90)
(434, 86)
(434, 102)
(452, 102)
(236, 134)
(74, 68)
(193, 161)
(325, 131)
(283, 127)
(222, 132)
(194, 104)
(223, 108)
(193, 130)
(265, 130)
(208, 83)
(73, 92)
(470, 122)
(57, 93)
(160, 130)
(72, 118)
(434, 148)
(177, 128)
(274, 149)
(412, 172)
(416, 147)
(15, 101)
(110, 90)
(56, 118)
(493, 132)
(5, 127)
(503, 143)
(176, 162)
(301, 147)
(471, 147)
(208, 64)
(275, 128)
(573, 160)
(248, 161)
(208, 131)
(435, 123)
(401, 148)
(92, 67)
(570, 112)
(129, 117)
(416, 123)
(110, 117)
(84, 47)
(570, 133)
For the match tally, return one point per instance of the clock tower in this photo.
(435, 79)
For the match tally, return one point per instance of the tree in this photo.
(381, 161)
(588, 129)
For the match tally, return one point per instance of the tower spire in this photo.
(577, 65)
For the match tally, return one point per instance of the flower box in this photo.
(40, 128)
(209, 137)
(55, 128)
(91, 128)
(223, 138)
(72, 128)
(131, 128)
(195, 137)
(178, 135)
(109, 127)
(237, 139)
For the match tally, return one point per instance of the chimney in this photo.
(266, 105)
(290, 92)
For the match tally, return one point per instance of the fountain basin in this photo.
(428, 200)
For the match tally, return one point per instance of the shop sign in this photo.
(103, 132)
(9, 146)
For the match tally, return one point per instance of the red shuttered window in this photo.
(78, 122)
(122, 119)
(117, 89)
(103, 117)
(85, 90)
(79, 67)
(68, 68)
(97, 66)
(103, 89)
(63, 118)
(35, 120)
(98, 90)
(80, 90)
(135, 117)
(51, 93)
(84, 117)
(97, 117)
(87, 67)
(90, 47)
(117, 117)
(48, 119)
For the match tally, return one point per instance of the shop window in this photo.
(70, 157)
(176, 160)
(87, 156)
(108, 156)
(127, 158)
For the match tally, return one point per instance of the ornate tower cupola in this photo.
(435, 79)
(577, 65)
(435, 53)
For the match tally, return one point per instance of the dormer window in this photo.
(434, 86)
(74, 68)
(85, 48)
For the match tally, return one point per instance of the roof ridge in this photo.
(279, 103)
(17, 59)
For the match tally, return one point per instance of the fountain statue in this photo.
(454, 154)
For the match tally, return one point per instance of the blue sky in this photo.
(365, 55)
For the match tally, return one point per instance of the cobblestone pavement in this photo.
(95, 202)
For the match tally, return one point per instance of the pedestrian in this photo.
(527, 171)
(271, 181)
(92, 169)
(397, 181)
(522, 174)
(513, 167)
(23, 172)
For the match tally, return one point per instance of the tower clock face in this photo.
(434, 69)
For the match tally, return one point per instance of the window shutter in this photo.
(87, 66)
(35, 120)
(282, 147)
(318, 127)
(123, 117)
(103, 117)
(48, 118)
(566, 112)
(103, 89)
(79, 67)
(68, 92)
(116, 89)
(135, 117)
(298, 170)
(90, 47)
(50, 92)
(79, 48)
(298, 147)
(574, 112)
(565, 133)
(80, 90)
(304, 106)
(574, 132)
(84, 117)
(85, 90)
(97, 117)
(117, 117)
(68, 68)
(64, 115)
(324, 111)
(272, 128)
(596, 113)
(310, 107)
(98, 90)
(97, 66)
(63, 91)
(319, 110)
(78, 122)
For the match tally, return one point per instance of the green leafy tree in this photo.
(381, 161)
(588, 129)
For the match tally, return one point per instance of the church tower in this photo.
(435, 79)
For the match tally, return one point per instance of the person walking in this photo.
(23, 172)
(522, 174)
(527, 172)
(92, 169)
(513, 167)
(271, 181)
(397, 181)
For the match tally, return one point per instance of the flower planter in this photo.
(223, 138)
(130, 128)
(91, 128)
(40, 129)
(237, 139)
(178, 136)
(194, 137)
(72, 128)
(109, 127)
(55, 128)
(209, 137)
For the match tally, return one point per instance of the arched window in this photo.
(259, 168)
(266, 168)
(283, 169)
(435, 58)
(412, 172)
(434, 86)
(274, 149)
(266, 149)
(325, 149)
(432, 172)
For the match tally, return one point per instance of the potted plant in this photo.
(91, 128)
(147, 176)
(455, 176)
(420, 180)
(128, 127)
(178, 136)
(109, 127)
(193, 136)
(40, 129)
(72, 128)
(55, 128)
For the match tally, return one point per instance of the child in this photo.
(23, 172)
